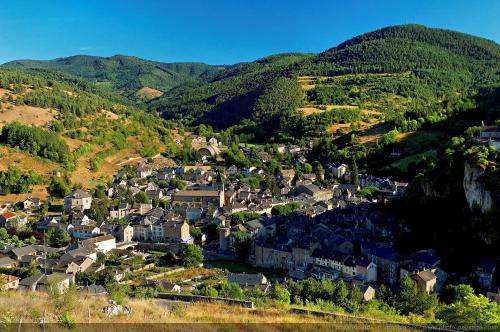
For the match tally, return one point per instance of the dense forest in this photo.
(123, 74)
(35, 141)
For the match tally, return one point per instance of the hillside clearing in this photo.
(148, 93)
(12, 157)
(27, 115)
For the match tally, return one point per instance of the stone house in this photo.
(7, 262)
(425, 280)
(78, 200)
(143, 171)
(249, 280)
(122, 233)
(120, 211)
(367, 291)
(199, 198)
(338, 170)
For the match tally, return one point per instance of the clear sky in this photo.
(218, 31)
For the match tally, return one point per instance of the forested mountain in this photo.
(432, 70)
(123, 74)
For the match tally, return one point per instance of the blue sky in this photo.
(218, 31)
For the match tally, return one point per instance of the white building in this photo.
(102, 243)
(84, 232)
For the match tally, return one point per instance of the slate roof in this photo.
(425, 275)
(4, 261)
(332, 255)
(23, 251)
(247, 279)
(30, 281)
(79, 193)
(488, 265)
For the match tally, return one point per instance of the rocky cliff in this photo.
(474, 188)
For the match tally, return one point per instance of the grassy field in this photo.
(403, 163)
(32, 307)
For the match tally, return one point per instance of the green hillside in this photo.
(123, 74)
(52, 122)
(433, 73)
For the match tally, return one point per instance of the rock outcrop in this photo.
(475, 191)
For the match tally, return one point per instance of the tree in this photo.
(59, 187)
(355, 299)
(354, 172)
(242, 244)
(99, 209)
(472, 310)
(455, 293)
(230, 290)
(406, 294)
(191, 255)
(279, 293)
(340, 293)
(101, 258)
(57, 237)
(142, 197)
(385, 294)
(3, 234)
(195, 233)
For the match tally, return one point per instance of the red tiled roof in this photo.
(8, 215)
(6, 278)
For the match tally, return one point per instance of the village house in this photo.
(19, 253)
(249, 281)
(143, 171)
(8, 282)
(12, 219)
(425, 280)
(485, 271)
(83, 232)
(120, 211)
(335, 260)
(388, 263)
(367, 291)
(41, 282)
(7, 217)
(366, 270)
(176, 231)
(75, 252)
(48, 222)
(338, 170)
(7, 262)
(78, 200)
(314, 191)
(286, 176)
(102, 243)
(122, 233)
(489, 136)
(72, 266)
(81, 219)
(199, 198)
(32, 203)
